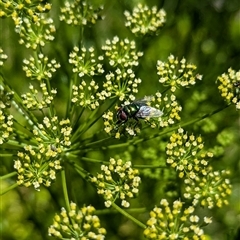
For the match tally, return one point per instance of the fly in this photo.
(137, 110)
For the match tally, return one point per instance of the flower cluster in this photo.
(3, 57)
(209, 190)
(20, 9)
(229, 87)
(144, 20)
(163, 112)
(40, 68)
(37, 166)
(177, 73)
(33, 101)
(117, 181)
(54, 132)
(6, 119)
(85, 63)
(121, 53)
(38, 163)
(6, 129)
(108, 118)
(79, 13)
(121, 84)
(79, 224)
(186, 155)
(201, 184)
(37, 34)
(174, 223)
(86, 95)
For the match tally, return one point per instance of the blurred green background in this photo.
(206, 33)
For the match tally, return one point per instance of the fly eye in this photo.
(122, 115)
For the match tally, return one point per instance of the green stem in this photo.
(9, 175)
(12, 143)
(82, 127)
(123, 212)
(6, 155)
(70, 106)
(85, 145)
(150, 166)
(73, 156)
(88, 124)
(65, 192)
(111, 211)
(83, 173)
(8, 188)
(51, 108)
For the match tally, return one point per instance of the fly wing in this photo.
(144, 100)
(147, 111)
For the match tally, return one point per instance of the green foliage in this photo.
(124, 118)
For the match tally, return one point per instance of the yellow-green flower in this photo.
(76, 224)
(174, 222)
(229, 87)
(144, 20)
(118, 180)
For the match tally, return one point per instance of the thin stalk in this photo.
(6, 155)
(86, 159)
(111, 211)
(82, 127)
(96, 142)
(8, 188)
(9, 175)
(123, 212)
(83, 173)
(52, 108)
(65, 192)
(87, 125)
(70, 107)
(150, 166)
(78, 146)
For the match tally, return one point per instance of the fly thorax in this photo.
(132, 109)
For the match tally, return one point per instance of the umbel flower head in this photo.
(40, 68)
(201, 184)
(85, 62)
(6, 119)
(229, 87)
(185, 154)
(37, 34)
(38, 99)
(6, 122)
(175, 73)
(38, 164)
(121, 53)
(210, 190)
(20, 9)
(118, 180)
(77, 224)
(145, 21)
(79, 12)
(174, 222)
